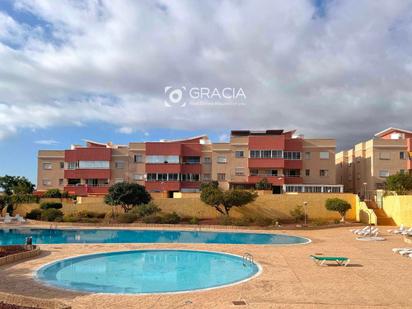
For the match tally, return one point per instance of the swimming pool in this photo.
(148, 271)
(15, 236)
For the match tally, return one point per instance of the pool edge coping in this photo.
(38, 280)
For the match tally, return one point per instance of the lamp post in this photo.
(305, 208)
(365, 184)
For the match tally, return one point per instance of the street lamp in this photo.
(364, 190)
(305, 208)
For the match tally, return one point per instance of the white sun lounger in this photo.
(395, 231)
(396, 250)
(406, 232)
(355, 231)
(369, 232)
(405, 252)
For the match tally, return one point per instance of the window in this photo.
(384, 156)
(292, 173)
(72, 165)
(291, 155)
(47, 182)
(138, 177)
(118, 180)
(47, 166)
(119, 164)
(61, 181)
(402, 155)
(191, 160)
(266, 154)
(277, 154)
(307, 155)
(207, 177)
(221, 159)
(207, 160)
(255, 153)
(92, 164)
(402, 171)
(163, 159)
(383, 173)
(221, 177)
(138, 158)
(324, 155)
(323, 173)
(61, 164)
(151, 177)
(190, 177)
(73, 181)
(239, 154)
(307, 172)
(173, 177)
(239, 171)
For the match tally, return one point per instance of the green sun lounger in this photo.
(321, 260)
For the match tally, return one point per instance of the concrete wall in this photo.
(399, 207)
(272, 206)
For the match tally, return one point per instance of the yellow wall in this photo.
(366, 215)
(272, 206)
(399, 207)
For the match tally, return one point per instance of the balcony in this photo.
(274, 180)
(85, 190)
(87, 174)
(266, 163)
(163, 185)
(163, 168)
(293, 164)
(293, 180)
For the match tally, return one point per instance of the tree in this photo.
(212, 196)
(237, 198)
(401, 183)
(263, 184)
(16, 185)
(223, 201)
(339, 205)
(52, 193)
(127, 195)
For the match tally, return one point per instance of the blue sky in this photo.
(85, 69)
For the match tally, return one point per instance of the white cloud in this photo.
(109, 61)
(46, 142)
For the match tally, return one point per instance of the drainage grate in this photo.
(239, 303)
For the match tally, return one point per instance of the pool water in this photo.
(147, 271)
(16, 236)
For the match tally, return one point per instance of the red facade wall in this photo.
(266, 163)
(87, 174)
(88, 154)
(163, 149)
(163, 168)
(274, 180)
(162, 186)
(295, 144)
(266, 142)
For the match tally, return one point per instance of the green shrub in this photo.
(262, 221)
(320, 222)
(172, 218)
(226, 220)
(24, 198)
(127, 218)
(91, 214)
(297, 213)
(51, 205)
(152, 219)
(194, 220)
(34, 214)
(52, 193)
(52, 214)
(144, 210)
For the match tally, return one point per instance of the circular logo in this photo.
(174, 96)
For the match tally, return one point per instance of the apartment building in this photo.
(365, 167)
(290, 164)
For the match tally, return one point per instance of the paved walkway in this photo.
(377, 277)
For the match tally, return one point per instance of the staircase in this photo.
(382, 217)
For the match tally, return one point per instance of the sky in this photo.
(105, 70)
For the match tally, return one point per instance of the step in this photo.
(386, 221)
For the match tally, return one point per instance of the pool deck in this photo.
(376, 278)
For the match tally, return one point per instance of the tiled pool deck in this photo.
(376, 278)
